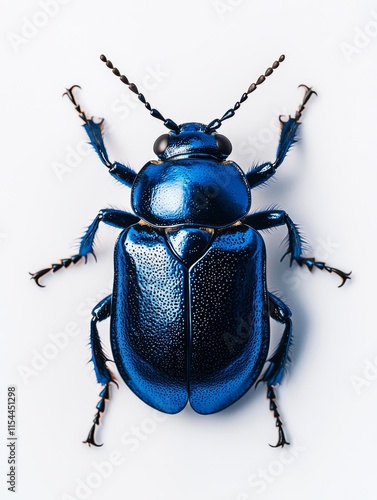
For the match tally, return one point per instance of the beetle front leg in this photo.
(273, 218)
(104, 376)
(288, 137)
(94, 129)
(278, 361)
(116, 218)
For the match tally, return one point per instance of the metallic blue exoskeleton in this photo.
(190, 306)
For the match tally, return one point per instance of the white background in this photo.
(194, 59)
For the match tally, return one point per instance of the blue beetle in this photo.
(190, 306)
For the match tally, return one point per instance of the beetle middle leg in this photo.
(116, 218)
(278, 361)
(104, 376)
(273, 218)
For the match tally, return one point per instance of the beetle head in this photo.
(193, 140)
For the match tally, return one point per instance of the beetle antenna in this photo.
(218, 121)
(154, 112)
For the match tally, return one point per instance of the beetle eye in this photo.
(161, 144)
(224, 144)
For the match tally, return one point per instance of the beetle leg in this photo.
(273, 218)
(288, 136)
(278, 361)
(56, 266)
(271, 395)
(310, 263)
(99, 359)
(279, 312)
(116, 218)
(94, 129)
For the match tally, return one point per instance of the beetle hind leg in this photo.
(99, 359)
(271, 395)
(105, 396)
(278, 361)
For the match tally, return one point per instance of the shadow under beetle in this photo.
(190, 306)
